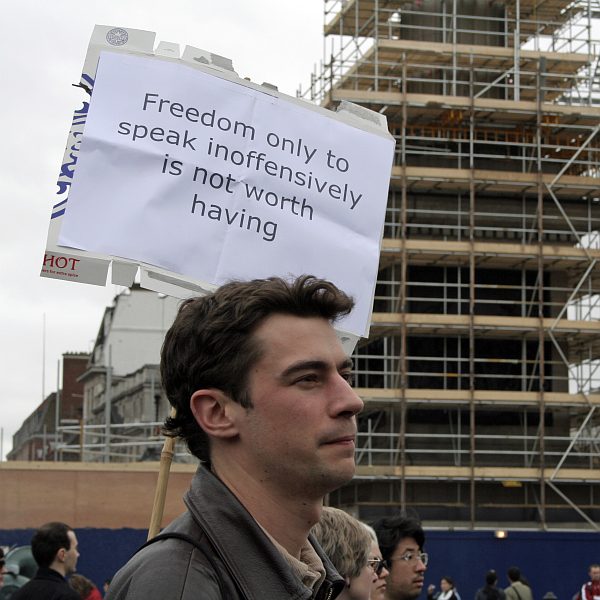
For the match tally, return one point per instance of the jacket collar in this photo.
(243, 546)
(48, 573)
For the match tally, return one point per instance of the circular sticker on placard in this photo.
(117, 37)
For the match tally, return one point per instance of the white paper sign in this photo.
(216, 181)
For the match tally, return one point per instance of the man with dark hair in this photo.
(401, 541)
(263, 397)
(518, 589)
(591, 589)
(54, 547)
(490, 591)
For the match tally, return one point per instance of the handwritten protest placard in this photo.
(205, 177)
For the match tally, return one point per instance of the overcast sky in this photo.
(42, 49)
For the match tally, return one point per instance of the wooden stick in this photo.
(160, 494)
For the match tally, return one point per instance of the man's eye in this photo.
(349, 377)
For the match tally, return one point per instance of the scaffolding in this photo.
(481, 376)
(119, 443)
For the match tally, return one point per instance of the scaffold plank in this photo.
(512, 473)
(496, 255)
(498, 326)
(425, 179)
(386, 396)
(490, 110)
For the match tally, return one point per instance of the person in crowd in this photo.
(54, 547)
(262, 390)
(401, 541)
(84, 587)
(10, 578)
(105, 586)
(379, 566)
(348, 545)
(2, 567)
(517, 590)
(591, 589)
(447, 590)
(490, 591)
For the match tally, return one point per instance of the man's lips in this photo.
(344, 440)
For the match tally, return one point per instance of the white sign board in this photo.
(204, 177)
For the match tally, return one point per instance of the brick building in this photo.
(35, 439)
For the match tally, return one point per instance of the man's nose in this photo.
(420, 566)
(348, 402)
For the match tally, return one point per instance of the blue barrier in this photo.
(551, 561)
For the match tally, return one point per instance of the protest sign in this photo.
(206, 177)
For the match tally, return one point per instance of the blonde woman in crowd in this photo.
(379, 566)
(348, 545)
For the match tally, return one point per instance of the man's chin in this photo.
(338, 475)
(344, 472)
(414, 592)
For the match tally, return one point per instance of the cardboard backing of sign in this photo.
(83, 264)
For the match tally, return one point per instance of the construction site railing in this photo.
(453, 449)
(127, 442)
(447, 372)
(355, 39)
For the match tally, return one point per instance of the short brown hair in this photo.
(82, 585)
(345, 541)
(210, 344)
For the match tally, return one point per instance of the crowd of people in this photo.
(383, 562)
(261, 387)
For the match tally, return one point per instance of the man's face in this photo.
(71, 555)
(299, 435)
(405, 580)
(595, 573)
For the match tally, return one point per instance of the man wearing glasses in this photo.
(401, 541)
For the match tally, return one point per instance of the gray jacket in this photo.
(232, 559)
(518, 591)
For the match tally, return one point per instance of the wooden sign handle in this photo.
(160, 494)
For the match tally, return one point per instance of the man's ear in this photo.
(214, 411)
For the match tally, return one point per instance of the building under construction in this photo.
(481, 376)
